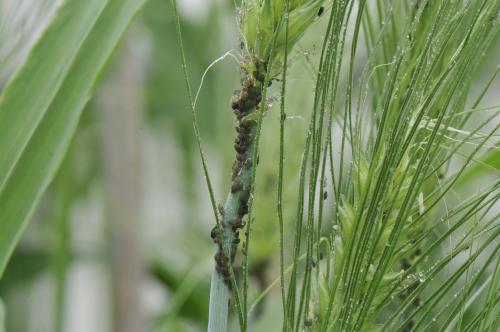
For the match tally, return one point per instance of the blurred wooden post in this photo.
(119, 106)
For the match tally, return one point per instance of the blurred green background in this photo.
(121, 240)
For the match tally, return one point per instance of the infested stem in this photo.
(226, 235)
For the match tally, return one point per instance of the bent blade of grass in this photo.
(27, 97)
(41, 155)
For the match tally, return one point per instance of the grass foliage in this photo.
(41, 105)
(391, 249)
(371, 208)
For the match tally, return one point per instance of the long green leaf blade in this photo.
(28, 95)
(45, 150)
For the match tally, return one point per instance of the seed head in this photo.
(262, 19)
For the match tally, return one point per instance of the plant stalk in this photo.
(226, 235)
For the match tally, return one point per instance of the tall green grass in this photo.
(393, 133)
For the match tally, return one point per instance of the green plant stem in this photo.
(232, 213)
(218, 309)
(226, 234)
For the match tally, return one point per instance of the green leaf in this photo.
(27, 97)
(40, 108)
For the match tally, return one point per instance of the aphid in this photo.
(260, 77)
(236, 224)
(245, 195)
(283, 116)
(243, 129)
(241, 157)
(236, 167)
(221, 261)
(247, 84)
(258, 98)
(239, 148)
(245, 126)
(325, 195)
(213, 234)
(243, 140)
(236, 100)
(236, 186)
(221, 210)
(243, 209)
(321, 10)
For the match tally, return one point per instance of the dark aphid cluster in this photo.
(244, 102)
(221, 263)
(221, 260)
(245, 99)
(248, 97)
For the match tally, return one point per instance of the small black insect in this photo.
(214, 233)
(325, 195)
(321, 10)
(236, 186)
(221, 210)
(243, 210)
(240, 157)
(236, 225)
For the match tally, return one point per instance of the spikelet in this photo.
(349, 215)
(262, 19)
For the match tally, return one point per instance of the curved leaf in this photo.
(31, 160)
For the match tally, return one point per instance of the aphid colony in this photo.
(244, 102)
